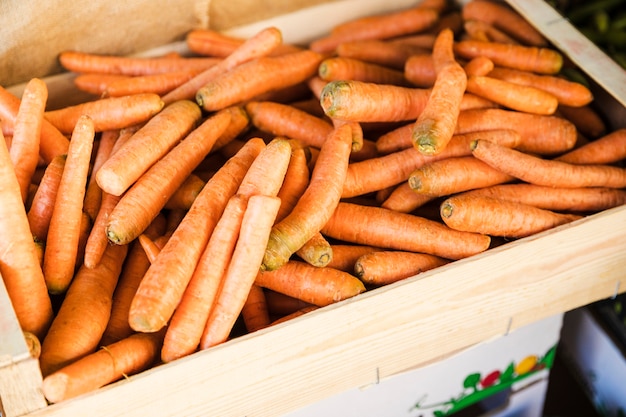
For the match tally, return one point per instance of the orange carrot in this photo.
(93, 194)
(98, 240)
(210, 42)
(267, 173)
(126, 357)
(480, 65)
(64, 230)
(401, 231)
(389, 54)
(243, 268)
(24, 149)
(143, 201)
(43, 202)
(345, 255)
(295, 314)
(384, 26)
(150, 143)
(280, 304)
(424, 40)
(608, 149)
(97, 83)
(152, 248)
(453, 175)
(261, 75)
(316, 251)
(483, 31)
(20, 269)
(108, 113)
(404, 199)
(342, 68)
(539, 171)
(184, 195)
(153, 83)
(296, 180)
(316, 203)
(435, 125)
(89, 295)
(317, 286)
(385, 267)
(160, 290)
(480, 214)
(586, 119)
(254, 312)
(419, 70)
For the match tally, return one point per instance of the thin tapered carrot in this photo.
(42, 205)
(419, 70)
(316, 251)
(586, 119)
(540, 134)
(97, 83)
(239, 124)
(536, 170)
(93, 194)
(152, 248)
(108, 113)
(126, 357)
(143, 201)
(542, 60)
(97, 240)
(483, 31)
(504, 18)
(608, 149)
(317, 286)
(19, 263)
(401, 231)
(64, 229)
(435, 125)
(404, 199)
(210, 42)
(316, 203)
(261, 75)
(385, 267)
(160, 291)
(254, 312)
(261, 44)
(453, 175)
(83, 62)
(343, 68)
(296, 180)
(184, 195)
(481, 214)
(480, 65)
(345, 255)
(382, 26)
(149, 144)
(286, 120)
(424, 40)
(24, 149)
(89, 295)
(389, 54)
(160, 84)
(243, 268)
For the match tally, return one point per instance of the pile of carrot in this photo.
(197, 198)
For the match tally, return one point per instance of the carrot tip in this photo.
(446, 210)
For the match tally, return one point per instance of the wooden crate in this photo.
(377, 334)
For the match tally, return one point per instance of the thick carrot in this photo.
(149, 144)
(401, 231)
(296, 180)
(160, 84)
(539, 171)
(19, 264)
(316, 251)
(89, 295)
(383, 26)
(267, 173)
(385, 267)
(64, 229)
(83, 62)
(608, 149)
(254, 312)
(97, 83)
(480, 214)
(93, 193)
(435, 125)
(386, 53)
(184, 195)
(243, 268)
(143, 201)
(24, 149)
(160, 290)
(126, 357)
(480, 65)
(345, 255)
(316, 203)
(586, 119)
(317, 286)
(108, 113)
(258, 76)
(404, 199)
(453, 175)
(343, 68)
(482, 31)
(98, 240)
(419, 70)
(42, 204)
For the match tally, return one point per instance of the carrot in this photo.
(286, 120)
(542, 60)
(280, 304)
(24, 149)
(254, 312)
(385, 267)
(568, 93)
(83, 62)
(19, 264)
(480, 214)
(585, 118)
(160, 290)
(97, 83)
(404, 199)
(261, 75)
(267, 173)
(389, 54)
(316, 251)
(539, 171)
(33, 343)
(243, 268)
(345, 255)
(98, 240)
(152, 248)
(89, 295)
(540, 134)
(384, 26)
(43, 201)
(64, 229)
(149, 144)
(424, 40)
(317, 286)
(295, 314)
(608, 149)
(435, 125)
(342, 68)
(108, 113)
(295, 183)
(153, 83)
(478, 66)
(523, 98)
(239, 124)
(93, 194)
(126, 357)
(184, 195)
(210, 42)
(483, 31)
(316, 203)
(143, 201)
(504, 18)
(401, 231)
(453, 175)
(419, 70)
(261, 44)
